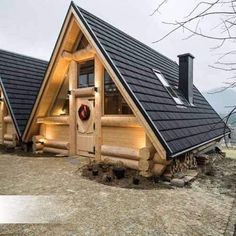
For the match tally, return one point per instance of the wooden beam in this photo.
(4, 125)
(120, 121)
(57, 144)
(7, 119)
(132, 164)
(37, 147)
(158, 169)
(38, 139)
(159, 160)
(145, 154)
(56, 151)
(121, 152)
(9, 137)
(54, 120)
(84, 92)
(73, 73)
(82, 55)
(99, 74)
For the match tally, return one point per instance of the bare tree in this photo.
(222, 32)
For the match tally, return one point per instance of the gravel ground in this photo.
(90, 208)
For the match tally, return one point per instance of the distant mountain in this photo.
(221, 99)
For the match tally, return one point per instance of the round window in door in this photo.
(84, 112)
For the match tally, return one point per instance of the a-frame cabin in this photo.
(107, 96)
(20, 80)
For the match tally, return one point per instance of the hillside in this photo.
(221, 99)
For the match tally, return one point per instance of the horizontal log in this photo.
(158, 169)
(56, 151)
(144, 153)
(57, 120)
(9, 137)
(159, 160)
(38, 139)
(7, 119)
(57, 144)
(9, 143)
(37, 147)
(132, 164)
(143, 165)
(85, 92)
(121, 152)
(120, 121)
(79, 56)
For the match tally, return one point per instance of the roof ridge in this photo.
(126, 34)
(22, 55)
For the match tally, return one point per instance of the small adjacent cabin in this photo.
(20, 80)
(107, 96)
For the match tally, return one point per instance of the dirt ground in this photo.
(207, 207)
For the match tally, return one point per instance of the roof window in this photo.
(169, 89)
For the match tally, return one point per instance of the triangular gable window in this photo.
(61, 104)
(114, 103)
(83, 43)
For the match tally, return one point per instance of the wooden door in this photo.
(85, 126)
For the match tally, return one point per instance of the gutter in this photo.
(199, 145)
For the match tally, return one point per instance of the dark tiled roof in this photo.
(21, 78)
(179, 129)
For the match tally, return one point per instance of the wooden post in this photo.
(73, 74)
(1, 117)
(4, 124)
(150, 146)
(99, 73)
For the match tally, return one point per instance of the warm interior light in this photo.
(42, 140)
(63, 112)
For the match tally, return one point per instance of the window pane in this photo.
(165, 83)
(86, 75)
(171, 91)
(61, 104)
(114, 103)
(91, 80)
(83, 81)
(83, 43)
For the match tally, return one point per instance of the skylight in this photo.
(165, 83)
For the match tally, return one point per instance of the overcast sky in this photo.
(31, 27)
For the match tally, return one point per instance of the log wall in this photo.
(1, 122)
(55, 132)
(124, 137)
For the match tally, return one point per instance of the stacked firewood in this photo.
(202, 159)
(181, 165)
